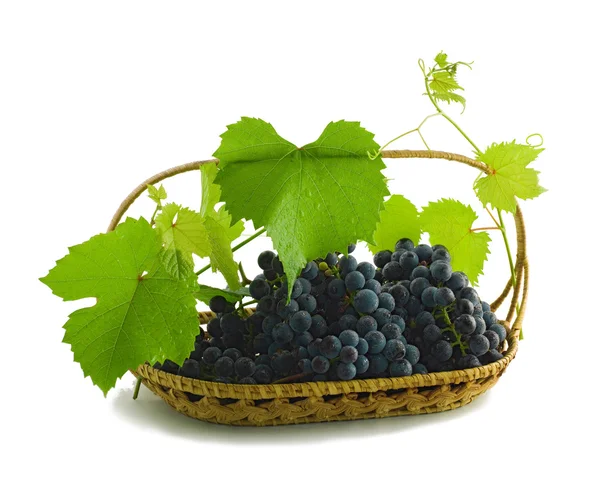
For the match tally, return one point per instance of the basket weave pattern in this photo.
(308, 402)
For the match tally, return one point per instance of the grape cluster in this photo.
(406, 313)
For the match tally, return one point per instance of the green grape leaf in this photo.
(444, 82)
(399, 219)
(441, 59)
(449, 223)
(450, 97)
(183, 229)
(204, 293)
(211, 192)
(218, 228)
(311, 200)
(177, 264)
(157, 194)
(510, 176)
(141, 314)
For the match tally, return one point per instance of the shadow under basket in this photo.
(310, 402)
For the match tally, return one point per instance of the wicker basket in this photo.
(308, 402)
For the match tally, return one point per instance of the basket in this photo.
(309, 402)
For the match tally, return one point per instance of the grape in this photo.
(305, 365)
(259, 288)
(420, 271)
(491, 356)
(489, 318)
(217, 342)
(464, 306)
(397, 254)
(479, 325)
(334, 329)
(477, 310)
(331, 259)
(354, 281)
(265, 260)
(307, 302)
(232, 353)
(366, 324)
(233, 340)
(412, 354)
(314, 347)
(270, 275)
(399, 321)
(391, 331)
(440, 271)
(351, 247)
(348, 354)
(376, 341)
(311, 271)
(393, 350)
(282, 362)
(269, 322)
(211, 355)
(276, 347)
(277, 266)
(266, 304)
(231, 323)
(405, 243)
(361, 364)
(479, 344)
(469, 361)
(248, 381)
(337, 288)
(409, 260)
(346, 371)
(199, 349)
(493, 338)
(348, 322)
(303, 339)
(282, 333)
(366, 301)
(378, 276)
(280, 294)
(349, 337)
(190, 369)
(382, 316)
(214, 328)
(456, 281)
(367, 269)
(263, 359)
(373, 285)
(320, 364)
(362, 347)
(419, 368)
(262, 342)
(400, 368)
(377, 364)
(444, 296)
(217, 304)
(318, 327)
(347, 264)
(299, 353)
(441, 350)
(386, 301)
(301, 321)
(400, 295)
(441, 255)
(244, 367)
(392, 271)
(224, 367)
(486, 307)
(418, 286)
(428, 297)
(500, 330)
(380, 259)
(286, 311)
(465, 324)
(414, 306)
(263, 374)
(330, 347)
(424, 319)
(424, 252)
(470, 294)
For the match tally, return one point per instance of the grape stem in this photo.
(156, 210)
(500, 224)
(291, 378)
(450, 327)
(485, 228)
(136, 390)
(418, 130)
(245, 280)
(256, 234)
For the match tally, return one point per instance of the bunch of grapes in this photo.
(406, 313)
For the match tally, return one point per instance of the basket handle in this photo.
(521, 264)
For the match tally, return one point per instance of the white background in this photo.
(97, 96)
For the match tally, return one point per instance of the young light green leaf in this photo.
(220, 234)
(441, 59)
(312, 200)
(142, 313)
(183, 229)
(157, 194)
(450, 97)
(399, 219)
(510, 176)
(444, 82)
(178, 264)
(449, 223)
(204, 293)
